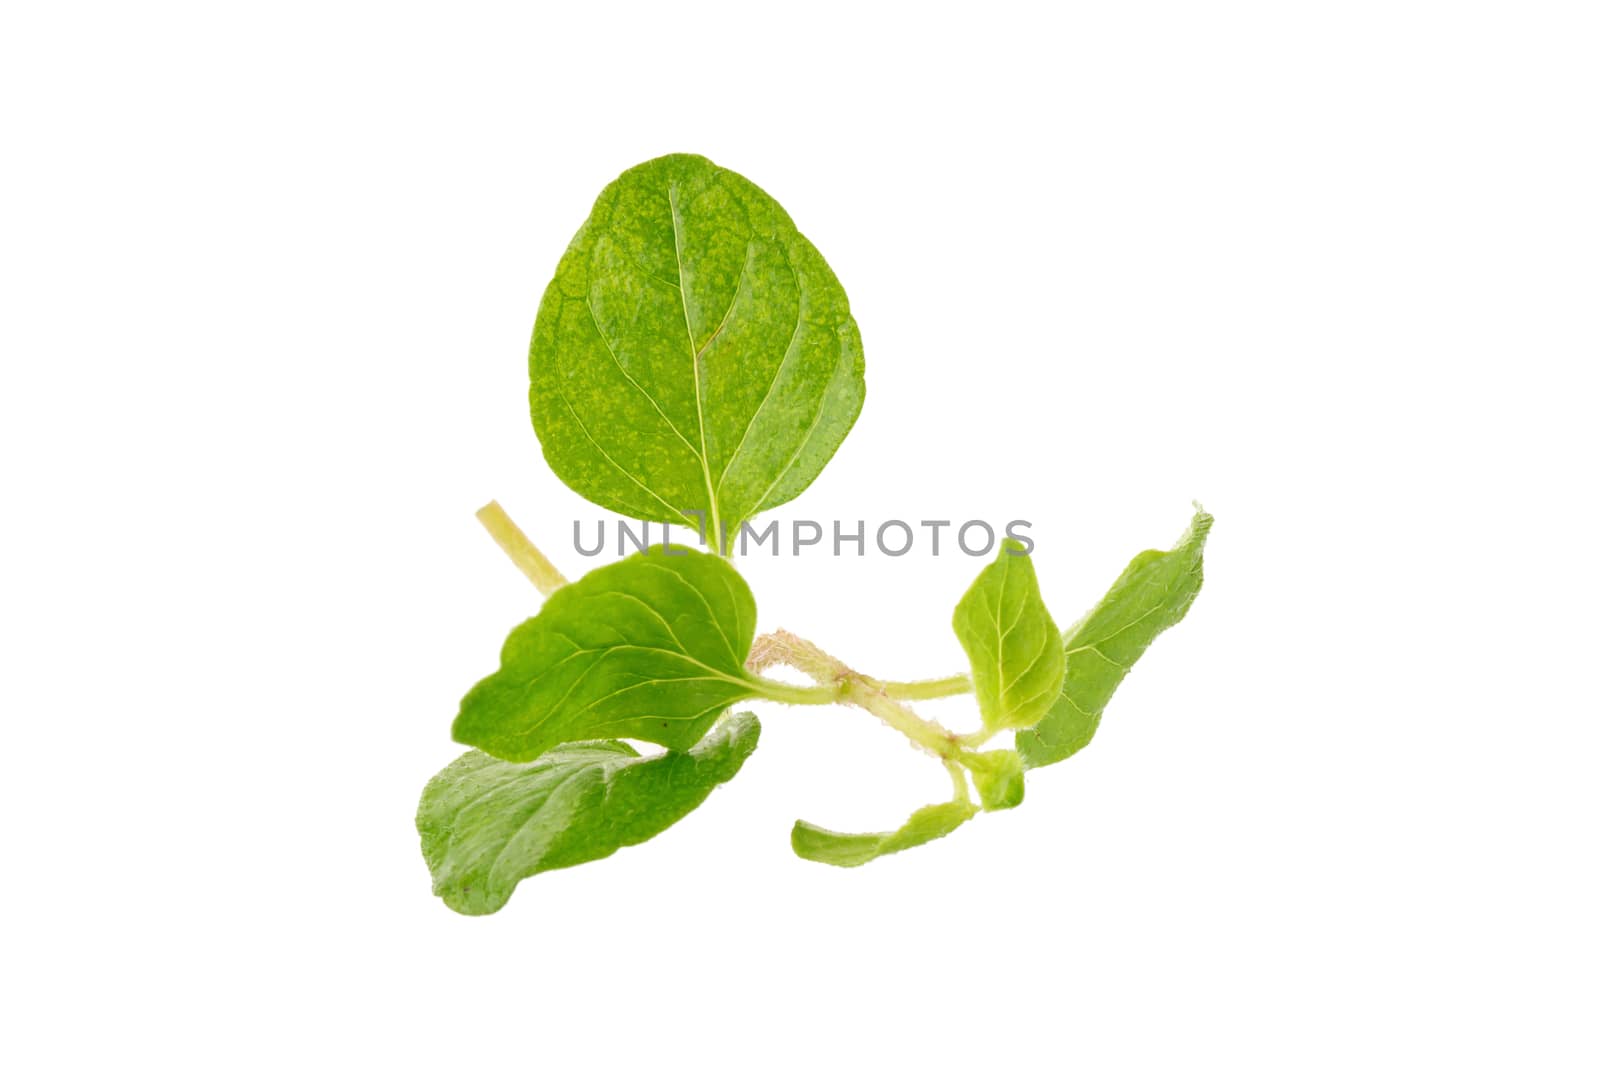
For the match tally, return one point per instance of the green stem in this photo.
(924, 733)
(514, 543)
(837, 684)
(783, 693)
(846, 686)
(958, 778)
(977, 737)
(931, 689)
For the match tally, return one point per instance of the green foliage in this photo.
(812, 842)
(1153, 593)
(1016, 653)
(998, 778)
(694, 353)
(695, 362)
(650, 647)
(487, 824)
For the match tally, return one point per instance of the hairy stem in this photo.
(958, 778)
(783, 693)
(514, 543)
(977, 737)
(836, 683)
(851, 687)
(931, 689)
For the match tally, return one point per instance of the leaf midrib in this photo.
(714, 530)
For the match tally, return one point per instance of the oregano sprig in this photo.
(695, 362)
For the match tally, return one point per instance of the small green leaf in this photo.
(650, 647)
(998, 776)
(1013, 645)
(1153, 593)
(486, 824)
(694, 353)
(812, 842)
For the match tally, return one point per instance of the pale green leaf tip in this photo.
(1011, 641)
(813, 842)
(1035, 750)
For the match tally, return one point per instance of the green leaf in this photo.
(694, 352)
(998, 776)
(812, 842)
(1153, 593)
(650, 647)
(1013, 645)
(487, 824)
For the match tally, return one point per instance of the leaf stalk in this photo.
(515, 544)
(931, 689)
(836, 683)
(851, 687)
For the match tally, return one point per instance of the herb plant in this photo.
(694, 362)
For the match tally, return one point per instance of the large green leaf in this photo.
(1153, 593)
(487, 824)
(1013, 645)
(694, 352)
(650, 647)
(926, 824)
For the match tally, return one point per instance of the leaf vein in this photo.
(788, 350)
(694, 360)
(612, 352)
(710, 611)
(598, 447)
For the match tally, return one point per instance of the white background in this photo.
(268, 280)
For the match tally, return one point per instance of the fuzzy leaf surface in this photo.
(812, 842)
(487, 824)
(1012, 643)
(1153, 593)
